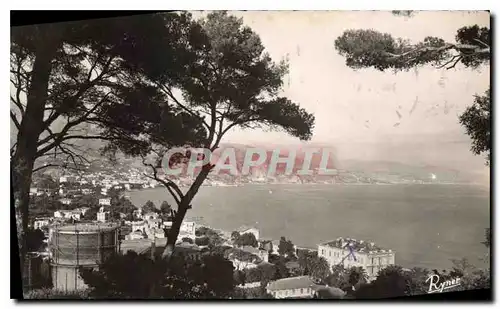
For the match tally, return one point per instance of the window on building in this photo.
(373, 261)
(329, 252)
(323, 251)
(301, 291)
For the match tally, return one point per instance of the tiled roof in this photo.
(357, 245)
(291, 283)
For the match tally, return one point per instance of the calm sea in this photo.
(427, 225)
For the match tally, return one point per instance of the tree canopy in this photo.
(286, 247)
(347, 279)
(363, 48)
(370, 48)
(67, 78)
(228, 81)
(146, 279)
(165, 208)
(246, 239)
(149, 207)
(477, 122)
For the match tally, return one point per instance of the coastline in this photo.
(320, 184)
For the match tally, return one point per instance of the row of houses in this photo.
(87, 183)
(102, 201)
(150, 225)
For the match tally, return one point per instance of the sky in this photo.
(409, 117)
(354, 109)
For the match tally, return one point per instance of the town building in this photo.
(167, 225)
(262, 254)
(83, 210)
(105, 201)
(66, 214)
(187, 230)
(293, 267)
(154, 223)
(76, 215)
(357, 253)
(155, 233)
(65, 201)
(266, 245)
(244, 259)
(86, 190)
(294, 287)
(103, 216)
(150, 216)
(249, 285)
(305, 249)
(137, 225)
(135, 235)
(39, 223)
(33, 191)
(65, 179)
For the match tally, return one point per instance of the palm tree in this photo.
(356, 276)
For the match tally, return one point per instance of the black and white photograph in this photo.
(251, 155)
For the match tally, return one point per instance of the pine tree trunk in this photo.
(29, 132)
(183, 207)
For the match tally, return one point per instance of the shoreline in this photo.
(126, 193)
(322, 184)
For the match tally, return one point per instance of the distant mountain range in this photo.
(406, 160)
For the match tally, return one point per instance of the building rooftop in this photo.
(88, 227)
(137, 245)
(291, 283)
(357, 245)
(43, 218)
(245, 228)
(306, 248)
(292, 265)
(63, 211)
